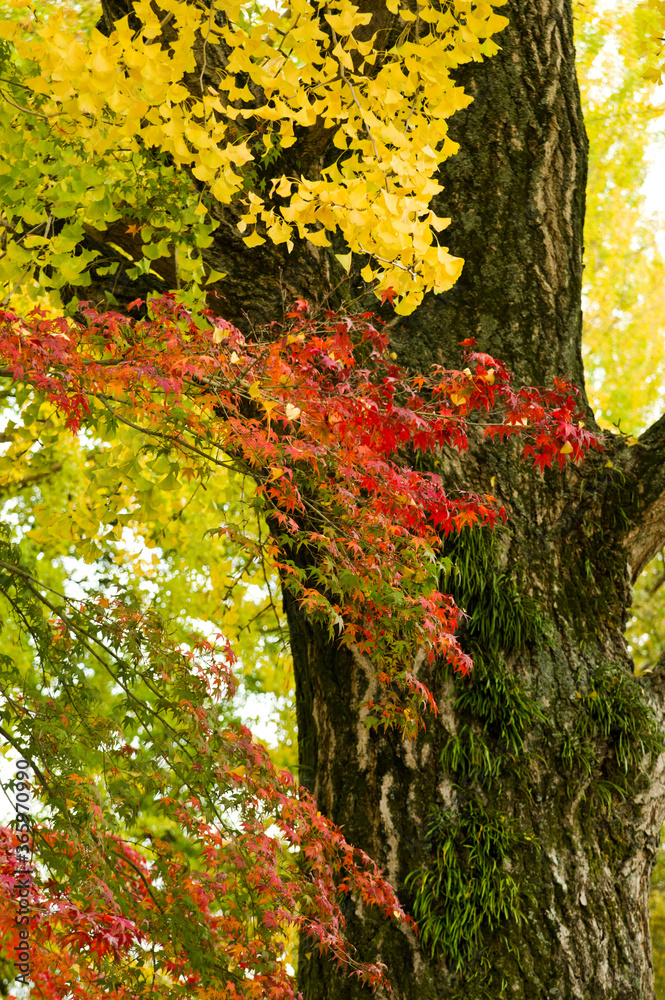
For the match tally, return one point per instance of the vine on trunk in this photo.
(473, 887)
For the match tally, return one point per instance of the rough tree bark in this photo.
(537, 794)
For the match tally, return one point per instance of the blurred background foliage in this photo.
(172, 550)
(624, 295)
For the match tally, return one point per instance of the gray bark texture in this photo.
(522, 826)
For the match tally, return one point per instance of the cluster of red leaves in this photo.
(325, 422)
(121, 919)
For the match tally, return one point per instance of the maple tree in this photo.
(186, 148)
(205, 397)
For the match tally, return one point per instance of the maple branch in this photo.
(128, 861)
(644, 467)
(90, 643)
(21, 750)
(172, 438)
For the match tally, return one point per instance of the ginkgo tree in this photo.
(190, 170)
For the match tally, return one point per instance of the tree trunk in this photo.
(522, 826)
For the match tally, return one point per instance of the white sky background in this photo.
(654, 187)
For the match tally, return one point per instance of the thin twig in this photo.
(27, 111)
(162, 25)
(27, 269)
(165, 437)
(21, 750)
(393, 263)
(205, 64)
(344, 77)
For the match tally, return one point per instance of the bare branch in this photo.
(644, 467)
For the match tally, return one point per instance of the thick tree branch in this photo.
(644, 465)
(20, 484)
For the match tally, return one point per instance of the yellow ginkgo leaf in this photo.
(254, 240)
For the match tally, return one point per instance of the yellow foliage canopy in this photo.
(224, 88)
